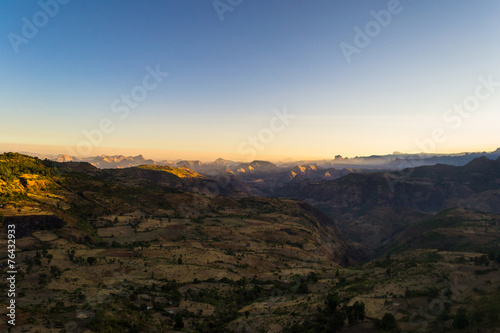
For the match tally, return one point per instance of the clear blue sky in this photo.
(227, 76)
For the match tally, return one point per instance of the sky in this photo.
(249, 79)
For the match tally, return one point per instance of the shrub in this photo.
(461, 320)
(388, 322)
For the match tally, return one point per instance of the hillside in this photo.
(452, 230)
(159, 249)
(96, 238)
(380, 205)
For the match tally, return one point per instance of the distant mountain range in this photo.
(158, 238)
(394, 161)
(264, 178)
(371, 208)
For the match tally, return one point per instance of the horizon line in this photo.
(220, 155)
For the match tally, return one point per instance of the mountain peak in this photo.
(482, 160)
(482, 164)
(260, 162)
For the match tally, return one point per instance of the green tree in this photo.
(91, 260)
(302, 288)
(461, 320)
(179, 323)
(358, 309)
(43, 279)
(55, 271)
(388, 322)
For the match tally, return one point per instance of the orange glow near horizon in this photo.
(205, 156)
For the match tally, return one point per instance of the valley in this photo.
(166, 248)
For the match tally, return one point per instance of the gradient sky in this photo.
(227, 76)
